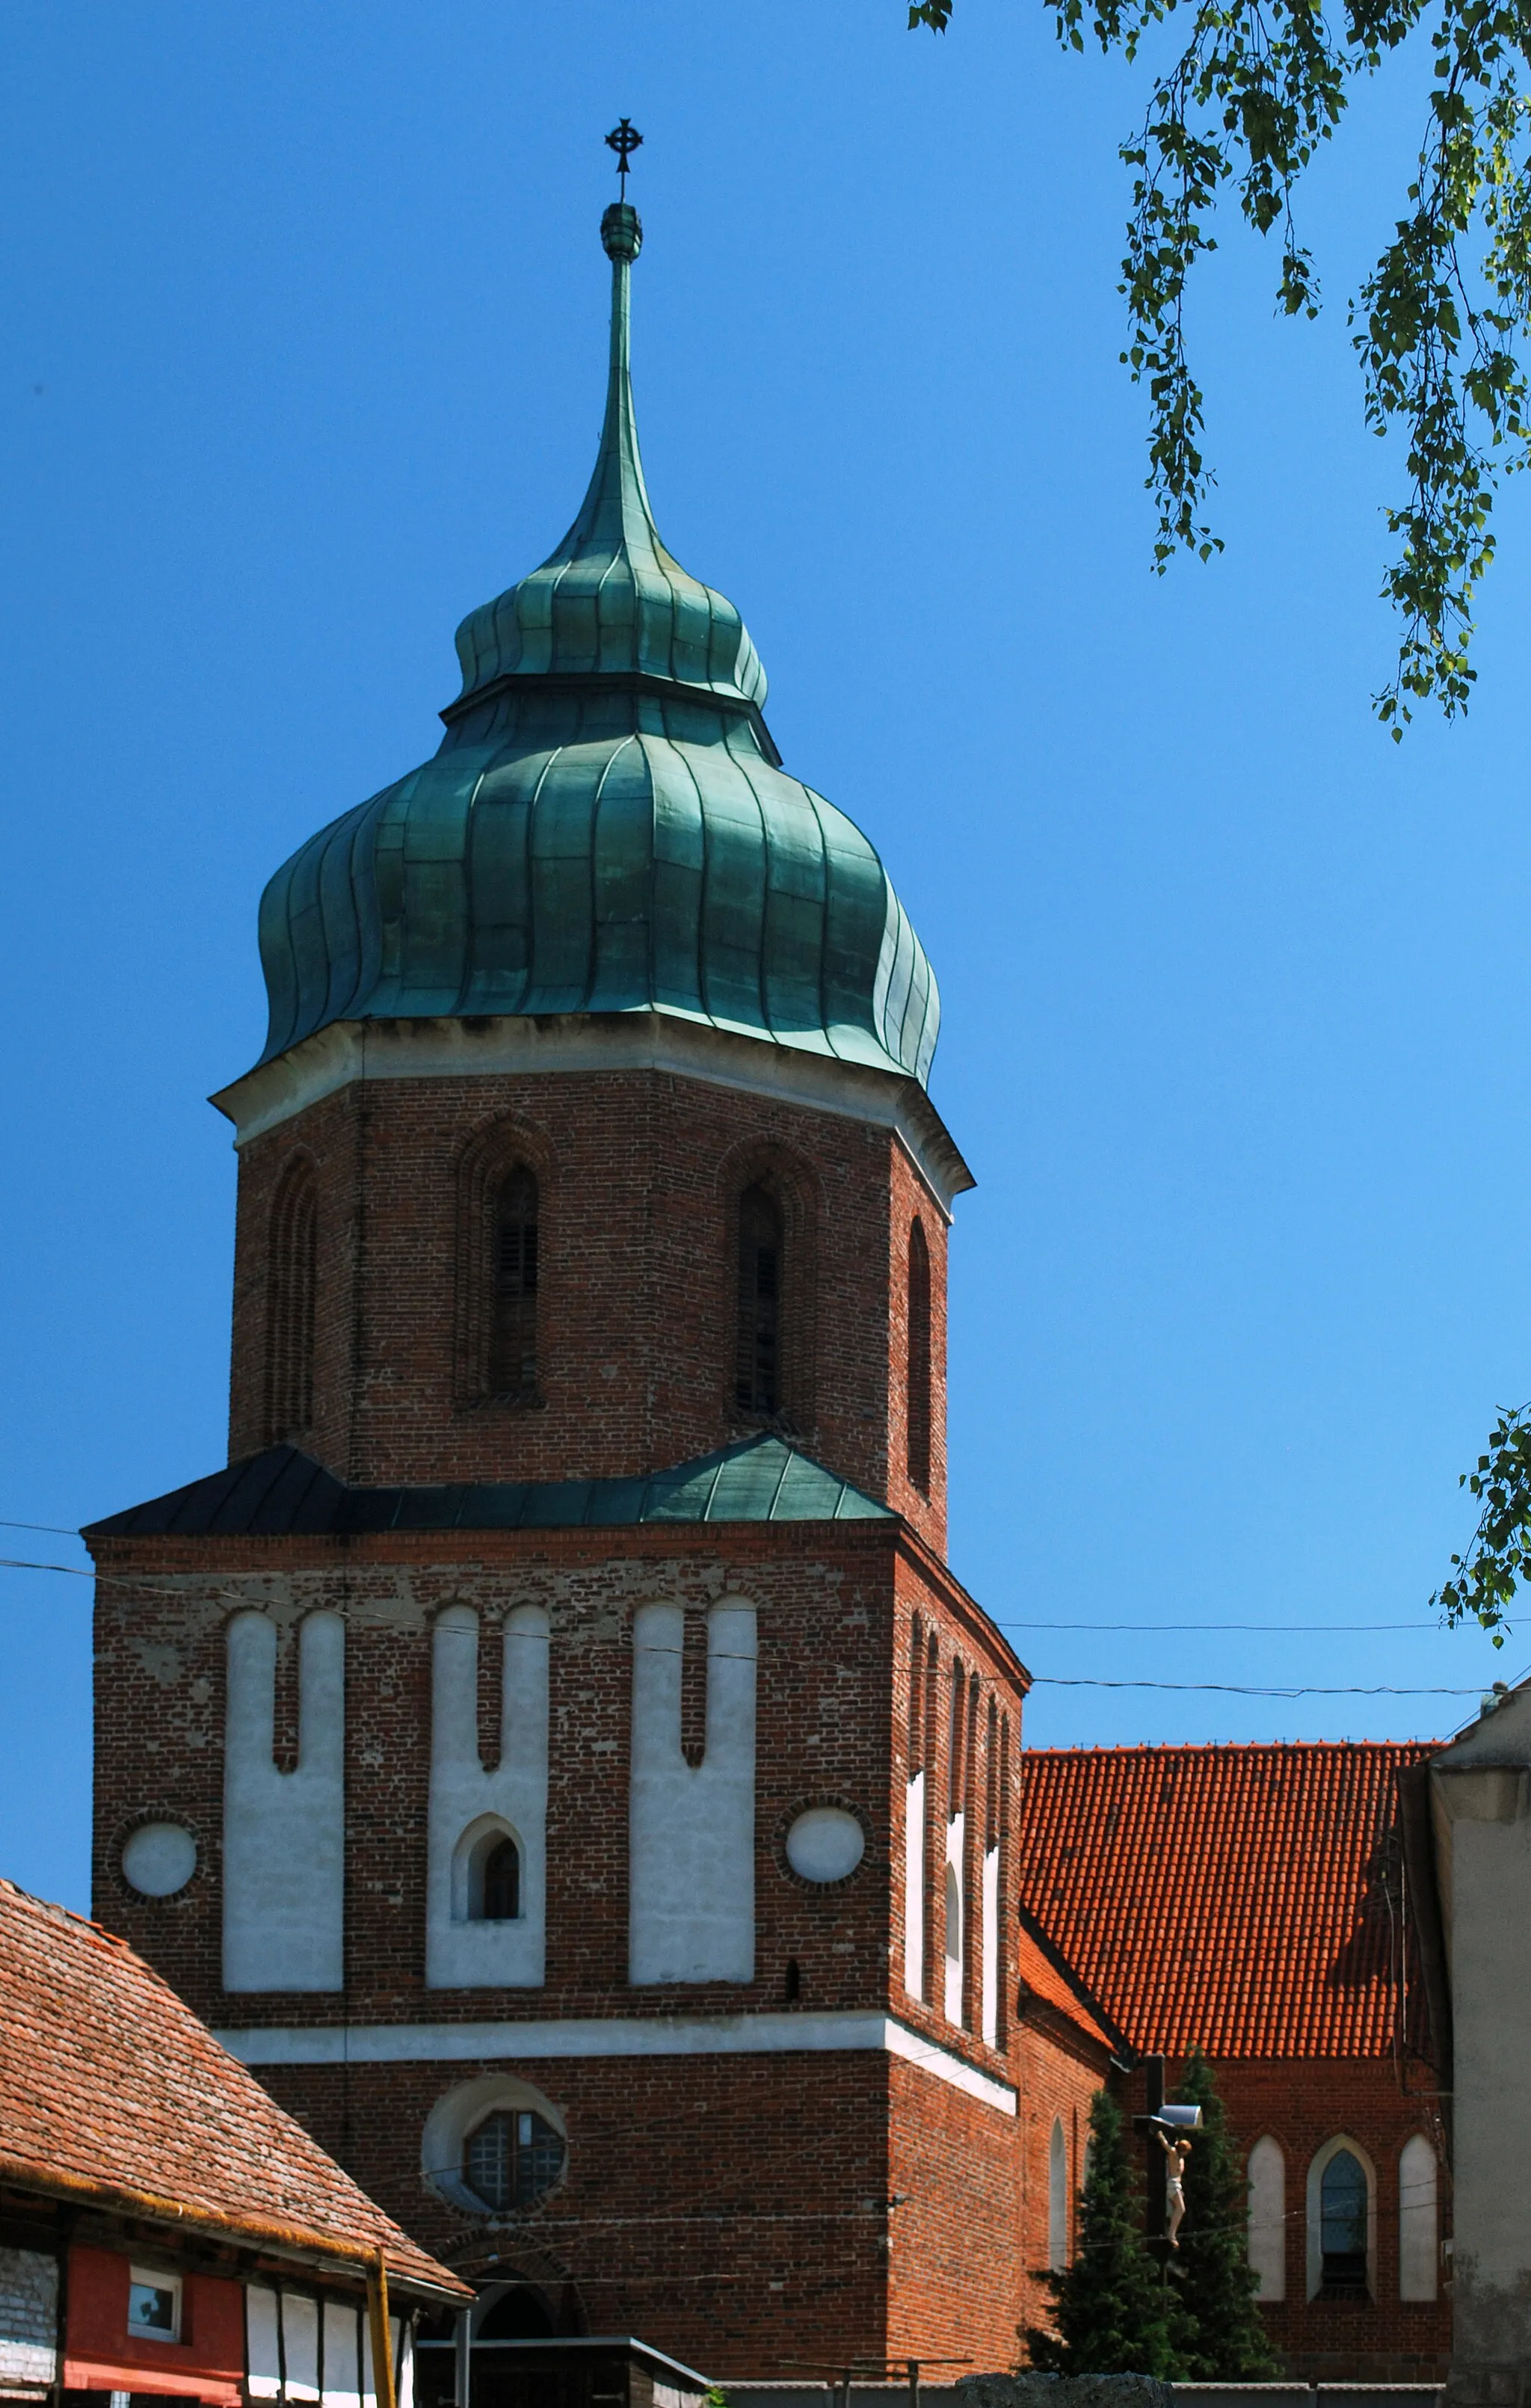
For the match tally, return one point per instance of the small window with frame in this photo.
(153, 2303)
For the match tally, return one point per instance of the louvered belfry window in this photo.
(292, 1279)
(513, 1353)
(918, 1389)
(757, 1385)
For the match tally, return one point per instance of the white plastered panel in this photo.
(300, 2344)
(914, 1888)
(1268, 2217)
(991, 1946)
(1419, 2246)
(285, 1832)
(692, 1829)
(460, 1953)
(956, 1938)
(263, 2342)
(342, 2356)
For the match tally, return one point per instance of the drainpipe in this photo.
(382, 2342)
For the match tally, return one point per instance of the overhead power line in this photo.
(1040, 1680)
(1215, 1629)
(1238, 1689)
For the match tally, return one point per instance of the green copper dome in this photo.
(607, 827)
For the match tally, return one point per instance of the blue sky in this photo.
(301, 341)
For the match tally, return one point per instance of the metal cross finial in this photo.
(624, 139)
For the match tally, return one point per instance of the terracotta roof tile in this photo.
(1245, 1898)
(1041, 1975)
(108, 2080)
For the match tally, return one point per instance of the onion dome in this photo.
(607, 827)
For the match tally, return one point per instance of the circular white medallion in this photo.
(159, 1858)
(825, 1844)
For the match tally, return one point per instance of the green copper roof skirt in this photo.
(282, 1492)
(607, 825)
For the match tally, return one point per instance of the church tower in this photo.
(554, 1753)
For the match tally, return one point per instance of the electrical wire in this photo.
(1238, 1689)
(1212, 1628)
(1144, 1629)
(1039, 1680)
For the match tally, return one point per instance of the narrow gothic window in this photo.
(511, 2159)
(1057, 2197)
(918, 1384)
(290, 1282)
(502, 1883)
(513, 1351)
(1342, 2228)
(757, 1387)
(1419, 2244)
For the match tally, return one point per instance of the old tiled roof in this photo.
(1247, 1900)
(759, 1480)
(110, 2087)
(1044, 1978)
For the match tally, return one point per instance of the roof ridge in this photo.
(1222, 1747)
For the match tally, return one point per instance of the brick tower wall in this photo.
(639, 1176)
(668, 2155)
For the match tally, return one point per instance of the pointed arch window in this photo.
(917, 1384)
(292, 1282)
(512, 1345)
(1057, 2197)
(1268, 2217)
(1418, 2242)
(1342, 2227)
(757, 1368)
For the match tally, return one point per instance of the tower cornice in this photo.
(509, 1045)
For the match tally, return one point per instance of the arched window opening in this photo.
(519, 2314)
(1419, 2246)
(493, 1876)
(1342, 2228)
(512, 1344)
(291, 1285)
(953, 1946)
(917, 1386)
(1267, 2218)
(502, 1883)
(1057, 2197)
(757, 1370)
(511, 2159)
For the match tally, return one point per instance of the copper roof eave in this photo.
(264, 2233)
(735, 706)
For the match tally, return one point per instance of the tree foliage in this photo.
(1438, 325)
(1498, 1558)
(1109, 2307)
(1216, 2329)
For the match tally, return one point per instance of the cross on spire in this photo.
(624, 139)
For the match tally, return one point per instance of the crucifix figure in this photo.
(624, 139)
(1177, 2152)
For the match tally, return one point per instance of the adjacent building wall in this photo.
(1481, 1800)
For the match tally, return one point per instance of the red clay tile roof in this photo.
(1243, 1899)
(109, 2084)
(1040, 1976)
